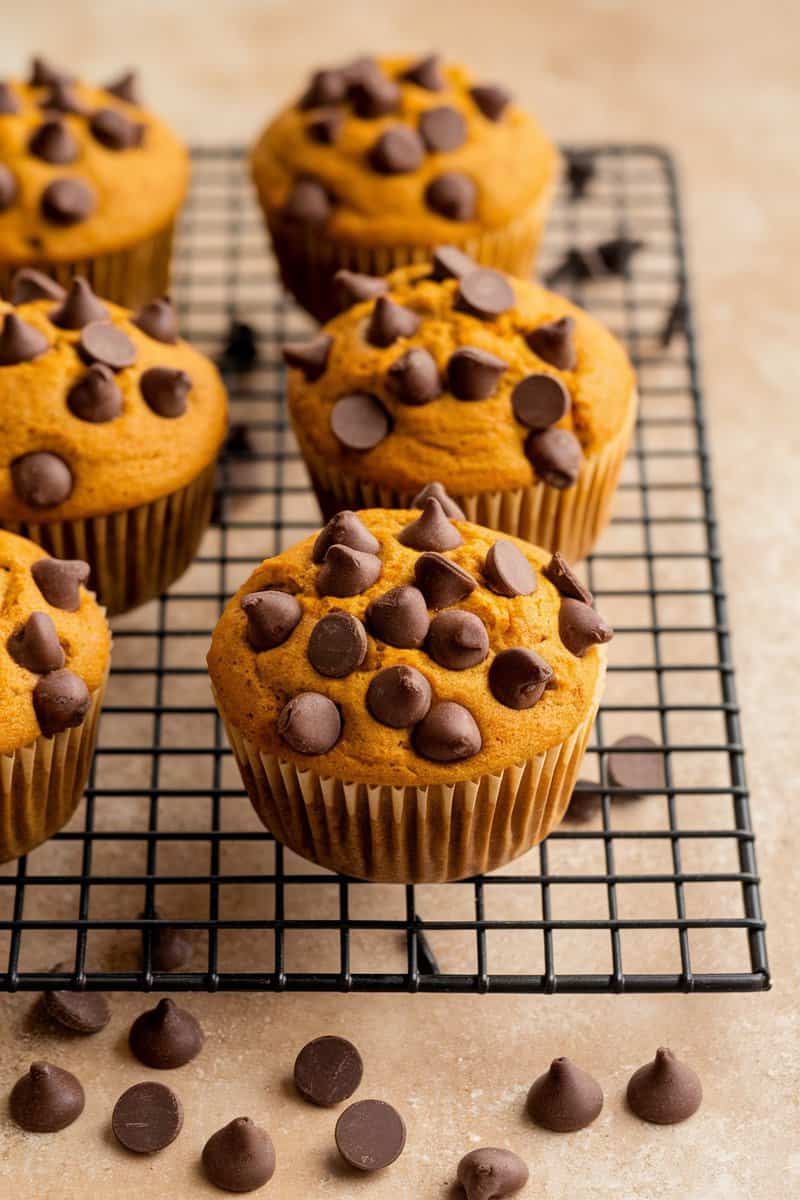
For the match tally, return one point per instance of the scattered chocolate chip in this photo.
(580, 627)
(576, 265)
(170, 946)
(347, 572)
(41, 479)
(491, 99)
(426, 960)
(338, 644)
(359, 421)
(44, 74)
(398, 696)
(457, 640)
(390, 321)
(79, 307)
(585, 802)
(442, 128)
(157, 319)
(518, 677)
(554, 342)
(239, 443)
(166, 390)
(20, 342)
(308, 203)
(67, 201)
(326, 87)
(485, 294)
(397, 151)
(636, 762)
(441, 581)
(431, 531)
(436, 490)
(555, 455)
(96, 396)
(414, 377)
(665, 1091)
(452, 195)
(35, 646)
(508, 571)
(351, 288)
(399, 618)
(272, 617)
(241, 348)
(114, 130)
(677, 320)
(310, 723)
(60, 700)
(81, 1012)
(165, 1037)
(240, 1157)
(59, 580)
(309, 357)
(617, 253)
(103, 342)
(489, 1173)
(565, 1098)
(472, 374)
(9, 104)
(46, 1099)
(63, 98)
(326, 126)
(147, 1118)
(451, 263)
(540, 400)
(53, 143)
(447, 734)
(564, 579)
(345, 528)
(8, 188)
(328, 1070)
(370, 1135)
(29, 284)
(373, 94)
(126, 88)
(427, 73)
(580, 172)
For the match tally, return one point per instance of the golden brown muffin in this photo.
(90, 183)
(110, 427)
(55, 647)
(518, 401)
(408, 696)
(381, 159)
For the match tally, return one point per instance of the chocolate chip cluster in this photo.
(365, 89)
(67, 200)
(539, 401)
(41, 478)
(348, 558)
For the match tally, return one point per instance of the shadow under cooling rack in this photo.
(657, 893)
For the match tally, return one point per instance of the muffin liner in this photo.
(128, 277)
(415, 834)
(137, 553)
(41, 784)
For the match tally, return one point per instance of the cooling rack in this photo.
(658, 893)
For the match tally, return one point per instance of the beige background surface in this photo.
(717, 82)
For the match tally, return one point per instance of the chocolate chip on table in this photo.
(272, 616)
(67, 201)
(59, 580)
(79, 306)
(414, 377)
(585, 802)
(165, 1037)
(448, 733)
(345, 528)
(555, 455)
(390, 321)
(457, 639)
(373, 94)
(665, 1091)
(508, 571)
(636, 762)
(239, 443)
(485, 294)
(46, 1099)
(617, 253)
(328, 1070)
(240, 352)
(473, 374)
(103, 342)
(436, 491)
(170, 946)
(400, 618)
(491, 99)
(9, 104)
(441, 581)
(310, 357)
(451, 263)
(398, 696)
(351, 288)
(540, 400)
(29, 284)
(518, 677)
(554, 342)
(35, 646)
(427, 73)
(310, 723)
(580, 172)
(347, 572)
(359, 421)
(452, 195)
(80, 1012)
(41, 479)
(60, 700)
(677, 320)
(397, 151)
(147, 1118)
(370, 1135)
(240, 1157)
(580, 626)
(157, 319)
(114, 130)
(433, 530)
(54, 143)
(44, 74)
(20, 342)
(307, 203)
(566, 1098)
(166, 391)
(489, 1173)
(338, 644)
(326, 87)
(126, 88)
(442, 129)
(564, 579)
(8, 188)
(96, 396)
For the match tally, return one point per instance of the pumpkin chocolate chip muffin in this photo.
(110, 427)
(90, 184)
(518, 401)
(408, 696)
(55, 648)
(381, 159)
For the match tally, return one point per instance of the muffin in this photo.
(110, 427)
(90, 184)
(381, 160)
(55, 648)
(521, 404)
(408, 696)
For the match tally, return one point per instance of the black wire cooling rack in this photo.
(658, 893)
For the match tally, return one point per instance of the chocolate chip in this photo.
(452, 195)
(398, 696)
(310, 723)
(351, 288)
(665, 1091)
(677, 320)
(114, 130)
(485, 294)
(44, 74)
(374, 94)
(414, 377)
(59, 580)
(62, 98)
(399, 617)
(103, 342)
(240, 1157)
(80, 307)
(397, 151)
(338, 644)
(441, 581)
(29, 284)
(554, 342)
(447, 734)
(451, 263)
(326, 87)
(46, 1099)
(81, 1012)
(35, 646)
(584, 803)
(359, 421)
(431, 531)
(427, 73)
(564, 579)
(472, 374)
(9, 104)
(442, 129)
(576, 265)
(41, 479)
(20, 342)
(8, 188)
(491, 99)
(636, 762)
(239, 443)
(125, 87)
(344, 529)
(325, 127)
(508, 571)
(157, 319)
(370, 1135)
(617, 253)
(170, 946)
(53, 143)
(308, 203)
(60, 700)
(436, 490)
(347, 572)
(580, 172)
(489, 1173)
(390, 321)
(555, 455)
(457, 640)
(328, 1071)
(165, 1037)
(241, 347)
(309, 357)
(147, 1118)
(67, 201)
(580, 627)
(166, 390)
(96, 397)
(565, 1098)
(518, 677)
(272, 617)
(540, 400)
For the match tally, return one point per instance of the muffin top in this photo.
(100, 409)
(83, 170)
(455, 372)
(54, 643)
(401, 150)
(408, 647)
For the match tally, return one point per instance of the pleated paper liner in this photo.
(415, 834)
(128, 277)
(135, 554)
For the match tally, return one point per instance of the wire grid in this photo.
(658, 893)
